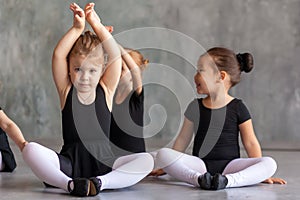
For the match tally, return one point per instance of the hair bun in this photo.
(245, 61)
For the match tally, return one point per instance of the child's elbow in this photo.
(6, 126)
(55, 54)
(253, 149)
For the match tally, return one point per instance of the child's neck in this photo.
(86, 98)
(217, 101)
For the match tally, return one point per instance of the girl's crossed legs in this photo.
(239, 172)
(249, 171)
(127, 170)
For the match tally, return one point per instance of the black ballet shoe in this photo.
(95, 186)
(219, 182)
(81, 187)
(205, 181)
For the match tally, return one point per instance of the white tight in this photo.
(127, 170)
(1, 163)
(239, 172)
(249, 171)
(44, 163)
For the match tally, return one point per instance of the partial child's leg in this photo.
(1, 163)
(181, 166)
(127, 171)
(249, 171)
(45, 165)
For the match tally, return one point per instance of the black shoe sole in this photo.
(219, 182)
(205, 181)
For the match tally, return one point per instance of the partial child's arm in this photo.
(249, 139)
(12, 130)
(61, 51)
(252, 147)
(134, 70)
(111, 76)
(181, 143)
(185, 136)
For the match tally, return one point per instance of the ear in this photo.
(223, 75)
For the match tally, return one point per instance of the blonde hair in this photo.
(88, 44)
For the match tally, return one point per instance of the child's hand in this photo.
(273, 180)
(79, 17)
(157, 172)
(91, 15)
(109, 28)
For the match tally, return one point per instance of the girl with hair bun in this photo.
(217, 120)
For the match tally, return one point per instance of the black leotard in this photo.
(127, 132)
(222, 143)
(82, 136)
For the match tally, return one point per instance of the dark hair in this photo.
(226, 60)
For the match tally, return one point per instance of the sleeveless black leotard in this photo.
(126, 130)
(86, 150)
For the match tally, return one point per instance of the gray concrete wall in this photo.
(270, 29)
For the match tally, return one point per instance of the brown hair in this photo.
(85, 45)
(226, 60)
(138, 58)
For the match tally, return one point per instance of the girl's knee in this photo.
(163, 154)
(29, 149)
(166, 157)
(270, 163)
(147, 158)
(30, 146)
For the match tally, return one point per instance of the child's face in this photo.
(85, 72)
(206, 76)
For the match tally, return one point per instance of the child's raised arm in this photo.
(111, 76)
(134, 70)
(61, 51)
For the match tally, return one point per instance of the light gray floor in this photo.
(22, 184)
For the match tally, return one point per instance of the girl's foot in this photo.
(95, 186)
(205, 181)
(219, 182)
(81, 187)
